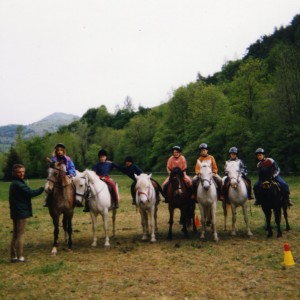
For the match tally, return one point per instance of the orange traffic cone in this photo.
(288, 256)
(197, 221)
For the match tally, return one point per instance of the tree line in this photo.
(252, 102)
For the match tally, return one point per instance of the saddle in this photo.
(268, 183)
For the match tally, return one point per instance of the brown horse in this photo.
(61, 200)
(179, 197)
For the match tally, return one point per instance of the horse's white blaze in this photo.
(99, 202)
(207, 198)
(146, 202)
(237, 195)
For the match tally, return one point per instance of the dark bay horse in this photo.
(179, 197)
(271, 197)
(61, 201)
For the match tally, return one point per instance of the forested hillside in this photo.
(253, 102)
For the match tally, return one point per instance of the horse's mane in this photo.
(92, 176)
(177, 171)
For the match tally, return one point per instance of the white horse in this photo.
(89, 186)
(207, 198)
(237, 195)
(147, 203)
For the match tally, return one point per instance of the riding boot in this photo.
(115, 204)
(78, 203)
(86, 206)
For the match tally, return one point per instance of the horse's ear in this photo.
(48, 160)
(136, 176)
(149, 176)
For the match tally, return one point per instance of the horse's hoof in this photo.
(279, 235)
(153, 241)
(250, 234)
(233, 233)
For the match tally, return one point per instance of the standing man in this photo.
(20, 209)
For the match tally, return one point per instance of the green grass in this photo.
(234, 268)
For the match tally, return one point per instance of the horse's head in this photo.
(143, 188)
(81, 186)
(57, 175)
(232, 169)
(176, 179)
(205, 174)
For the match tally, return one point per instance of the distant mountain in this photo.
(48, 124)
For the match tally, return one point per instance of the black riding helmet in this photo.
(59, 145)
(102, 152)
(128, 159)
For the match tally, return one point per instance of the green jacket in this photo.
(20, 199)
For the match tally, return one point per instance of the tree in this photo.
(11, 159)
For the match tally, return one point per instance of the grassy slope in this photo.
(235, 268)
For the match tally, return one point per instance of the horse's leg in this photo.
(233, 211)
(55, 220)
(244, 207)
(203, 220)
(224, 206)
(171, 220)
(214, 226)
(285, 214)
(155, 218)
(268, 213)
(114, 212)
(70, 231)
(152, 223)
(105, 227)
(144, 224)
(184, 218)
(277, 213)
(94, 228)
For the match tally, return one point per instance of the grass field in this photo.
(234, 268)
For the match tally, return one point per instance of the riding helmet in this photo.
(102, 152)
(128, 159)
(259, 151)
(177, 148)
(59, 145)
(203, 146)
(233, 150)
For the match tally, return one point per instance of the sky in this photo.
(70, 56)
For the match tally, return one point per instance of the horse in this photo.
(90, 187)
(179, 197)
(61, 191)
(271, 197)
(207, 198)
(237, 195)
(146, 201)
